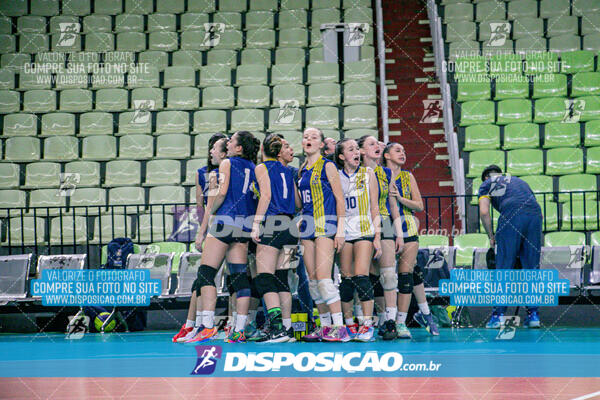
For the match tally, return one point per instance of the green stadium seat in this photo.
(81, 61)
(324, 94)
(490, 10)
(551, 8)
(88, 171)
(221, 57)
(322, 72)
(585, 7)
(58, 124)
(578, 216)
(549, 85)
(433, 241)
(482, 137)
(27, 24)
(564, 43)
(130, 124)
(46, 202)
(189, 58)
(253, 96)
(39, 101)
(260, 20)
(61, 148)
(511, 87)
(294, 4)
(352, 133)
(210, 121)
(175, 146)
(110, 7)
(595, 238)
(286, 74)
(559, 134)
(122, 173)
(22, 149)
(577, 61)
(256, 56)
(56, 21)
(106, 78)
(6, 25)
(132, 196)
(143, 77)
(550, 109)
(88, 201)
(98, 148)
(574, 183)
(177, 248)
(322, 117)
(260, 39)
(191, 172)
(562, 25)
(250, 74)
(465, 30)
(465, 245)
(292, 19)
(363, 70)
(9, 101)
(158, 59)
(356, 3)
(168, 122)
(215, 75)
(458, 12)
(170, 6)
(162, 172)
(7, 44)
(7, 79)
(247, 120)
(97, 23)
(161, 196)
(20, 125)
(34, 42)
(72, 80)
(564, 239)
(205, 6)
(294, 138)
(590, 107)
(593, 160)
(179, 76)
(358, 15)
(139, 6)
(183, 98)
(42, 175)
(479, 160)
(525, 162)
(34, 80)
(325, 16)
(360, 116)
(467, 67)
(585, 83)
(108, 227)
(316, 38)
(232, 6)
(505, 64)
(231, 40)
(592, 133)
(160, 22)
(550, 214)
(563, 161)
(153, 227)
(590, 25)
(25, 231)
(530, 45)
(104, 41)
(231, 20)
(201, 145)
(136, 147)
(282, 119)
(540, 184)
(111, 100)
(9, 175)
(527, 27)
(290, 55)
(143, 98)
(477, 112)
(218, 97)
(360, 93)
(129, 23)
(316, 55)
(161, 41)
(293, 37)
(193, 22)
(72, 231)
(44, 8)
(467, 91)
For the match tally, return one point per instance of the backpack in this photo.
(117, 252)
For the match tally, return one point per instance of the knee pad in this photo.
(417, 275)
(206, 276)
(265, 283)
(241, 284)
(253, 290)
(228, 285)
(363, 287)
(346, 290)
(328, 291)
(237, 268)
(281, 280)
(375, 282)
(313, 288)
(388, 278)
(405, 282)
(196, 287)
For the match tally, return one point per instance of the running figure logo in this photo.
(287, 111)
(207, 359)
(356, 34)
(68, 33)
(432, 111)
(500, 31)
(573, 110)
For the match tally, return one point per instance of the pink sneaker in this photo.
(314, 336)
(337, 334)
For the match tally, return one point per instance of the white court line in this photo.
(587, 396)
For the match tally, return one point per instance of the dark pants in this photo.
(306, 302)
(519, 235)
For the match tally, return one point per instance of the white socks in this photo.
(349, 321)
(325, 319)
(189, 323)
(287, 323)
(390, 313)
(208, 319)
(338, 319)
(380, 318)
(424, 308)
(240, 322)
(401, 318)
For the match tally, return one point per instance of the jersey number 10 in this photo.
(350, 202)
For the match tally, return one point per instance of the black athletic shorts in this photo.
(369, 238)
(280, 237)
(228, 234)
(413, 238)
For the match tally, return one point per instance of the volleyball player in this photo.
(362, 233)
(322, 234)
(410, 277)
(194, 316)
(228, 235)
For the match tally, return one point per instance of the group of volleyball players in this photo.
(355, 210)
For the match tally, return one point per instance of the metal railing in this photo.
(382, 87)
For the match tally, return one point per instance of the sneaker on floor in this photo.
(352, 331)
(337, 334)
(427, 322)
(236, 337)
(290, 333)
(494, 322)
(532, 321)
(403, 332)
(315, 336)
(203, 335)
(365, 334)
(190, 335)
(251, 329)
(388, 330)
(277, 335)
(182, 332)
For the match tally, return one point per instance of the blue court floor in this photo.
(556, 352)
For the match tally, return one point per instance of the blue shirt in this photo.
(510, 195)
(282, 189)
(317, 197)
(240, 200)
(202, 176)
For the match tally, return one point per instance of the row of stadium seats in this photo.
(484, 10)
(15, 8)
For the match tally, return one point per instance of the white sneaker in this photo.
(189, 335)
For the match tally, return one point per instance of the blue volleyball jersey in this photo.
(384, 177)
(202, 182)
(240, 200)
(282, 188)
(317, 197)
(409, 224)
